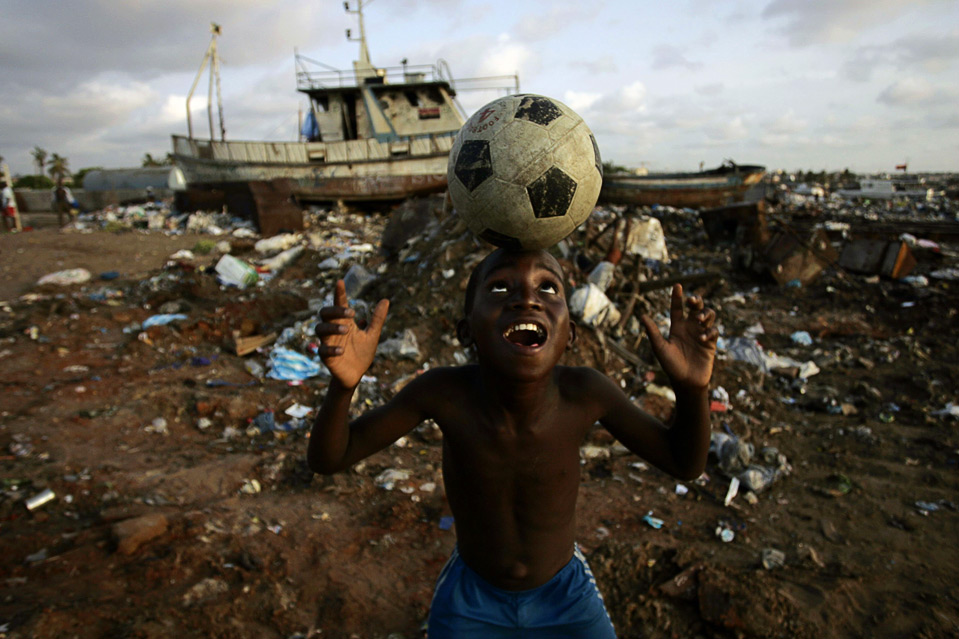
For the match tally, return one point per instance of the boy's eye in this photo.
(497, 288)
(549, 287)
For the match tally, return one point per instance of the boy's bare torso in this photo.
(512, 479)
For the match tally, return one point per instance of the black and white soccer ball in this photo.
(524, 172)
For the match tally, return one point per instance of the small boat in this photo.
(721, 186)
(370, 133)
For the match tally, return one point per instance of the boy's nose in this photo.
(526, 298)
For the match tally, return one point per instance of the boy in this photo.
(512, 429)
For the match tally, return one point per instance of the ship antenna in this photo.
(363, 67)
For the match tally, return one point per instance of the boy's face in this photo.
(519, 320)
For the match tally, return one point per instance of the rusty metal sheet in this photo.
(792, 258)
(878, 257)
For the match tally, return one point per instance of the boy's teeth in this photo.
(523, 327)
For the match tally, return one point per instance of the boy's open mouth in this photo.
(525, 334)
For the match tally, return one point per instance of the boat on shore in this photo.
(369, 134)
(726, 184)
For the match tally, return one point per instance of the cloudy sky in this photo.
(793, 84)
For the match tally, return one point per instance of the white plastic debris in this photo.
(236, 272)
(590, 304)
(281, 260)
(647, 240)
(66, 278)
(602, 275)
(277, 243)
(388, 478)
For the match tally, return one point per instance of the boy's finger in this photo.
(695, 304)
(676, 304)
(656, 338)
(709, 316)
(339, 295)
(324, 329)
(379, 316)
(328, 351)
(331, 313)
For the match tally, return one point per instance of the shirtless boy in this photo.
(512, 428)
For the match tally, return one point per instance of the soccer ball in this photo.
(524, 172)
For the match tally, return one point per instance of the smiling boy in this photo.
(512, 429)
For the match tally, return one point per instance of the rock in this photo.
(130, 534)
(204, 591)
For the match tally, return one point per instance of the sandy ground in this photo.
(176, 515)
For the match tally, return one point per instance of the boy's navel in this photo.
(519, 571)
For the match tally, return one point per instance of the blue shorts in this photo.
(567, 606)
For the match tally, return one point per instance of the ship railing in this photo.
(312, 74)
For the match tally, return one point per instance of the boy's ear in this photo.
(572, 335)
(463, 332)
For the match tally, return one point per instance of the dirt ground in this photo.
(179, 512)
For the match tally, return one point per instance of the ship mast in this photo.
(213, 59)
(362, 68)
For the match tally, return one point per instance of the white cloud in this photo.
(907, 92)
(830, 21)
(579, 101)
(710, 89)
(666, 56)
(726, 130)
(505, 58)
(787, 124)
(560, 17)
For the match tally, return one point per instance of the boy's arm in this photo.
(687, 358)
(347, 351)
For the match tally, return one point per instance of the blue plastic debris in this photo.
(801, 337)
(290, 365)
(446, 523)
(162, 319)
(653, 521)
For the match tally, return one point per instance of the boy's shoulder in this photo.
(582, 382)
(447, 378)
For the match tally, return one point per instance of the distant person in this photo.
(8, 207)
(512, 429)
(63, 202)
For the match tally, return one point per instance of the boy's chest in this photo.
(549, 443)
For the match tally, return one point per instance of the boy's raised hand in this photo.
(687, 356)
(346, 349)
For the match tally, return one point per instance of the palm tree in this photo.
(40, 157)
(58, 167)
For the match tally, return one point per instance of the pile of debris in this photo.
(210, 365)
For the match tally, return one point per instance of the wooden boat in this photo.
(370, 133)
(724, 185)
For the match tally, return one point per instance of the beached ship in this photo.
(726, 184)
(370, 133)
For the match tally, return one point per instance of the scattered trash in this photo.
(590, 304)
(725, 533)
(66, 277)
(388, 478)
(951, 410)
(732, 491)
(162, 320)
(801, 337)
(236, 272)
(772, 558)
(286, 364)
(653, 522)
(403, 346)
(40, 499)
